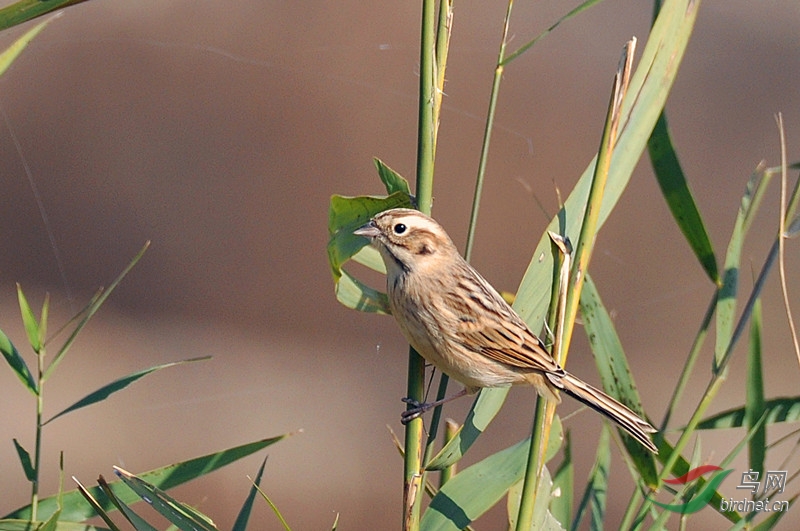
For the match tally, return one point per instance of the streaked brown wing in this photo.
(510, 344)
(488, 325)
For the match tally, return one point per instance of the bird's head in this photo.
(408, 238)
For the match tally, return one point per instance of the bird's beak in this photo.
(369, 230)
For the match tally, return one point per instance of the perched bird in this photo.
(459, 323)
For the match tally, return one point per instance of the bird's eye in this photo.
(399, 228)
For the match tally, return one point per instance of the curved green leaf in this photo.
(95, 304)
(25, 461)
(247, 507)
(13, 51)
(543, 519)
(17, 364)
(346, 214)
(777, 410)
(29, 321)
(26, 10)
(178, 513)
(118, 385)
(564, 486)
(393, 181)
(474, 490)
(670, 177)
(477, 420)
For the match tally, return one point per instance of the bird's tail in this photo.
(608, 406)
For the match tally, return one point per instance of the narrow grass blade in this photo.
(776, 410)
(615, 373)
(95, 505)
(680, 200)
(29, 321)
(8, 56)
(25, 525)
(525, 47)
(75, 508)
(91, 310)
(475, 489)
(25, 461)
(138, 523)
(17, 364)
(183, 516)
(118, 385)
(726, 303)
(593, 501)
(754, 394)
(275, 509)
(247, 507)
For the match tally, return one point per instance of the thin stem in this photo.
(37, 452)
(487, 135)
(545, 409)
(688, 367)
(782, 238)
(585, 246)
(426, 124)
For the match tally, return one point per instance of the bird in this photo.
(462, 326)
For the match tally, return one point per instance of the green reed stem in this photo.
(426, 142)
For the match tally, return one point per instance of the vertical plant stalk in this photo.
(688, 366)
(566, 325)
(487, 134)
(432, 62)
(443, 32)
(37, 452)
(588, 233)
(544, 408)
(426, 125)
(783, 220)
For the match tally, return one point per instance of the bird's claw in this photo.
(415, 411)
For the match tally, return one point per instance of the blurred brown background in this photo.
(218, 130)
